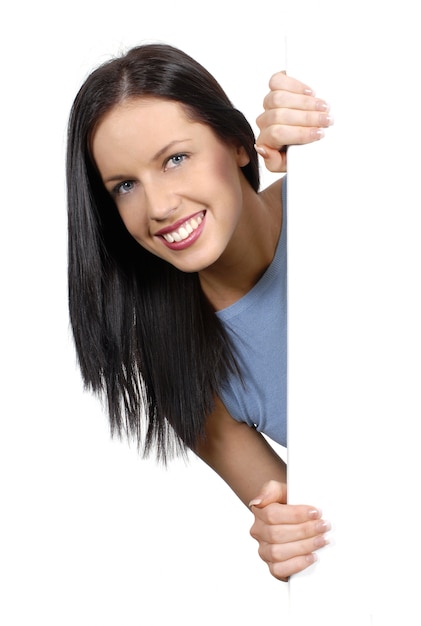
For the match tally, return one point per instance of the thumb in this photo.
(275, 160)
(271, 492)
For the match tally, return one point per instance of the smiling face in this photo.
(177, 186)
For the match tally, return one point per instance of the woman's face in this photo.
(177, 187)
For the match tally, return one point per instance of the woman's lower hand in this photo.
(293, 115)
(288, 535)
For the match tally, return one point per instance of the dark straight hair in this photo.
(147, 339)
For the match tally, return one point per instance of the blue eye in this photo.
(124, 187)
(175, 160)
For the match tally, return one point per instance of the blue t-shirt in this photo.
(257, 327)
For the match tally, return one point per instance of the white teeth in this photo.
(185, 230)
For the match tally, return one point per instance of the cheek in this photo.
(132, 219)
(223, 178)
(230, 186)
(226, 169)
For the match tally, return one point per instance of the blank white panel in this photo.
(354, 314)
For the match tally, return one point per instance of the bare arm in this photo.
(287, 534)
(240, 455)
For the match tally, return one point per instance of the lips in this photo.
(183, 231)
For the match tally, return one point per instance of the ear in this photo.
(242, 156)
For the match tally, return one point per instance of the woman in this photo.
(177, 273)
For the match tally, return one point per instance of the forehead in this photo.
(146, 124)
(147, 114)
(145, 106)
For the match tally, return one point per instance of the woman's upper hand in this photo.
(288, 535)
(293, 115)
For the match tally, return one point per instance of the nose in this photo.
(161, 200)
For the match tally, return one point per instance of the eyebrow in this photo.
(159, 154)
(155, 158)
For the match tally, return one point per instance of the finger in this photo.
(285, 99)
(274, 553)
(278, 137)
(272, 491)
(281, 80)
(275, 513)
(293, 117)
(283, 570)
(288, 533)
(275, 160)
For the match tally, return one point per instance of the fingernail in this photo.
(311, 558)
(261, 151)
(317, 133)
(309, 92)
(325, 120)
(314, 514)
(320, 541)
(255, 502)
(323, 526)
(322, 106)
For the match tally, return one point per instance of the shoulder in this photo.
(272, 195)
(272, 198)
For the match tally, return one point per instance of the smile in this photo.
(185, 230)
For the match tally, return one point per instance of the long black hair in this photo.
(147, 339)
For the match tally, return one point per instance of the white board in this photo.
(355, 311)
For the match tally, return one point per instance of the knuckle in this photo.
(303, 548)
(276, 80)
(262, 552)
(303, 531)
(311, 119)
(254, 532)
(278, 99)
(272, 515)
(271, 552)
(279, 570)
(267, 100)
(279, 117)
(276, 553)
(260, 120)
(276, 535)
(278, 133)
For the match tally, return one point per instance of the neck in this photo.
(250, 251)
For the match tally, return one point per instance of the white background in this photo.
(91, 534)
(355, 311)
